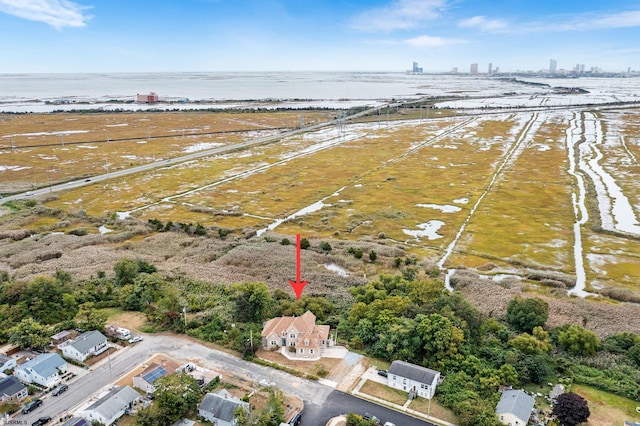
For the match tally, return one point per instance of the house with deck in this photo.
(110, 407)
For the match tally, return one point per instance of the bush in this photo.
(325, 246)
(373, 256)
(304, 244)
(285, 242)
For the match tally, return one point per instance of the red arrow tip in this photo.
(298, 287)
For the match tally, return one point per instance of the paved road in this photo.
(340, 403)
(322, 402)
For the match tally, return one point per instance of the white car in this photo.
(389, 424)
(135, 339)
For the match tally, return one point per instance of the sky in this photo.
(316, 35)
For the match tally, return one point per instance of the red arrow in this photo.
(298, 285)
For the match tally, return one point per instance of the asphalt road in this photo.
(321, 402)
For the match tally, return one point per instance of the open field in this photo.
(498, 192)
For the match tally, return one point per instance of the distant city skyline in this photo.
(323, 35)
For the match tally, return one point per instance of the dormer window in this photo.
(306, 342)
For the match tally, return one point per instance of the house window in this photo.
(301, 350)
(292, 343)
(284, 334)
(306, 342)
(404, 381)
(310, 351)
(323, 342)
(292, 335)
(394, 377)
(273, 343)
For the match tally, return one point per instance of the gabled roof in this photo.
(10, 386)
(114, 401)
(45, 365)
(87, 341)
(413, 372)
(302, 324)
(62, 334)
(222, 405)
(516, 402)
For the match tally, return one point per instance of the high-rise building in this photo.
(454, 70)
(474, 69)
(490, 68)
(553, 66)
(416, 68)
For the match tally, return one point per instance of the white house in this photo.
(514, 407)
(414, 379)
(111, 406)
(85, 345)
(6, 363)
(219, 408)
(44, 370)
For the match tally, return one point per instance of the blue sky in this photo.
(301, 35)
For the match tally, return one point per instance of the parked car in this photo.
(296, 419)
(59, 389)
(30, 406)
(41, 421)
(383, 373)
(371, 417)
(135, 339)
(389, 424)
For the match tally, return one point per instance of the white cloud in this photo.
(430, 41)
(483, 24)
(626, 19)
(398, 15)
(57, 13)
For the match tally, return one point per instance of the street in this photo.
(321, 402)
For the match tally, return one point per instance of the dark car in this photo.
(371, 418)
(30, 406)
(59, 389)
(41, 421)
(295, 420)
(383, 373)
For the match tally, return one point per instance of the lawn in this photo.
(606, 408)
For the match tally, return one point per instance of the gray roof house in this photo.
(12, 390)
(218, 408)
(514, 407)
(85, 345)
(414, 379)
(76, 421)
(109, 408)
(45, 370)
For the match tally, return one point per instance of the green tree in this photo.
(325, 246)
(526, 314)
(176, 394)
(442, 339)
(126, 270)
(242, 416)
(29, 333)
(578, 341)
(634, 354)
(304, 244)
(532, 345)
(273, 412)
(253, 302)
(90, 318)
(373, 256)
(571, 409)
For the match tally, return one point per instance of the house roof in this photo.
(62, 334)
(516, 402)
(45, 365)
(4, 359)
(156, 370)
(76, 421)
(413, 372)
(222, 405)
(87, 341)
(10, 386)
(114, 401)
(304, 325)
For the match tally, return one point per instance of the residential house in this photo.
(184, 422)
(44, 370)
(7, 363)
(219, 408)
(414, 379)
(514, 407)
(62, 337)
(85, 345)
(108, 409)
(300, 333)
(12, 390)
(145, 380)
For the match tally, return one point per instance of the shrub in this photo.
(373, 256)
(304, 244)
(325, 246)
(285, 242)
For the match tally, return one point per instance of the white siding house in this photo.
(514, 407)
(7, 363)
(85, 345)
(44, 370)
(411, 378)
(108, 409)
(219, 408)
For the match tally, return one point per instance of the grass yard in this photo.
(607, 409)
(384, 392)
(435, 410)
